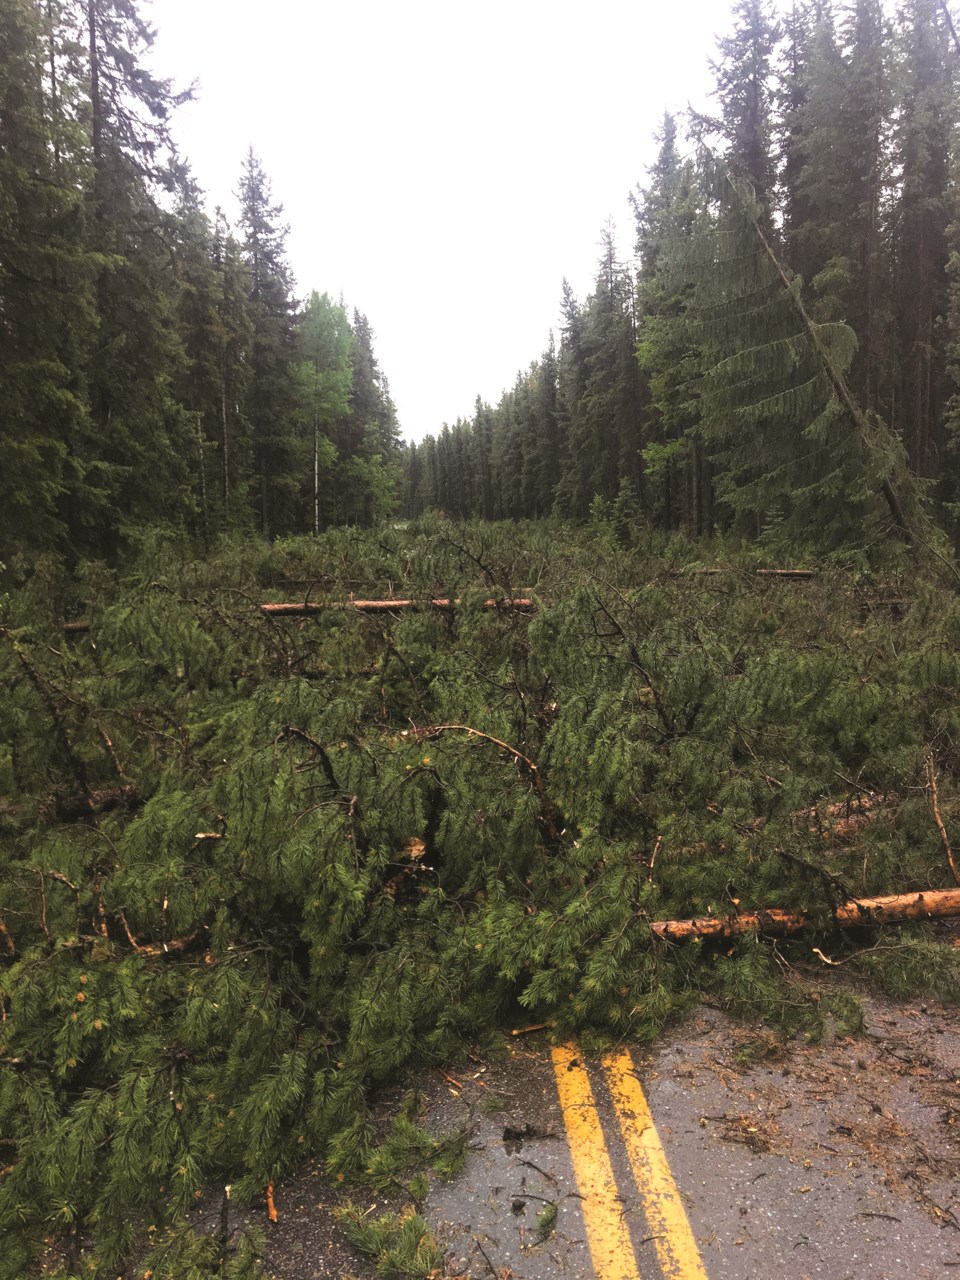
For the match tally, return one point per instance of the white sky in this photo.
(442, 165)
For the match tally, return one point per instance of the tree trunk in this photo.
(203, 478)
(264, 520)
(96, 103)
(316, 476)
(226, 437)
(933, 904)
(54, 92)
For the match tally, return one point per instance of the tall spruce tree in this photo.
(837, 236)
(234, 338)
(927, 122)
(678, 472)
(551, 446)
(143, 439)
(571, 375)
(271, 399)
(744, 88)
(46, 302)
(368, 434)
(602, 391)
(798, 457)
(198, 387)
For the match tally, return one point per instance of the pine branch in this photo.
(172, 947)
(291, 731)
(45, 694)
(840, 891)
(666, 720)
(111, 752)
(546, 811)
(60, 879)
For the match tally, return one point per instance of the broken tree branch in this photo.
(434, 731)
(172, 947)
(45, 693)
(935, 806)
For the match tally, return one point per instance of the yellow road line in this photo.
(666, 1216)
(611, 1249)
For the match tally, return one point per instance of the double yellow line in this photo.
(611, 1248)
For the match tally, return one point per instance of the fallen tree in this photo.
(252, 870)
(309, 608)
(895, 908)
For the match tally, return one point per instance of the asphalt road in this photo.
(839, 1161)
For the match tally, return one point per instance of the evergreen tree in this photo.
(198, 387)
(483, 459)
(271, 399)
(678, 473)
(214, 328)
(46, 304)
(744, 90)
(927, 121)
(550, 447)
(792, 96)
(837, 237)
(571, 376)
(796, 454)
(370, 401)
(601, 388)
(368, 435)
(234, 338)
(143, 440)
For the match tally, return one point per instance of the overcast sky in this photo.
(442, 165)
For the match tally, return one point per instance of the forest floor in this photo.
(834, 1160)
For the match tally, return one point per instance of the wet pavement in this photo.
(838, 1161)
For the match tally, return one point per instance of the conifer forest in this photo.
(324, 753)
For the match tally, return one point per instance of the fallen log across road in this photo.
(385, 606)
(931, 904)
(304, 609)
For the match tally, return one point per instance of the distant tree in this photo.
(234, 337)
(677, 470)
(272, 397)
(324, 378)
(551, 445)
(599, 386)
(368, 434)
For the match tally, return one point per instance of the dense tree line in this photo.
(781, 355)
(154, 365)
